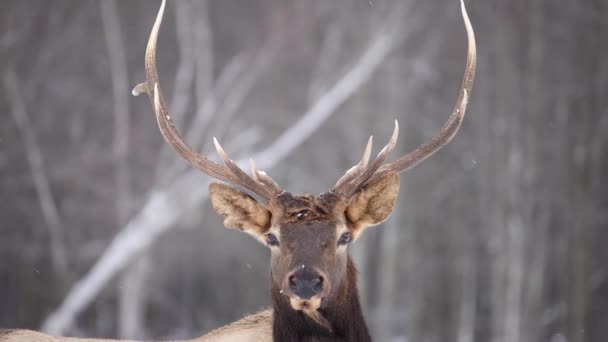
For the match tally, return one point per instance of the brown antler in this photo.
(361, 174)
(260, 183)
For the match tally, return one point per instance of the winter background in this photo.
(499, 237)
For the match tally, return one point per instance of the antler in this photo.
(361, 174)
(260, 183)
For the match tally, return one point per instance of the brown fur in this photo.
(34, 336)
(312, 244)
(287, 208)
(342, 311)
(253, 328)
(4, 334)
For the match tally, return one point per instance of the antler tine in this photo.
(244, 179)
(262, 177)
(357, 169)
(167, 128)
(348, 189)
(382, 155)
(230, 173)
(449, 129)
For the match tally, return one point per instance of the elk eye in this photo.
(302, 213)
(345, 238)
(272, 240)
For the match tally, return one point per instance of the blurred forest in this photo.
(501, 237)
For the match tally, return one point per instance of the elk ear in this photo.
(372, 204)
(240, 210)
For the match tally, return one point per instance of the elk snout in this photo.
(306, 283)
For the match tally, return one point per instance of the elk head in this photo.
(308, 235)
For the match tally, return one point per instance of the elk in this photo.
(313, 280)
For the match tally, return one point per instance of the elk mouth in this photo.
(313, 309)
(306, 305)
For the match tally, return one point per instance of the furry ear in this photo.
(240, 210)
(372, 204)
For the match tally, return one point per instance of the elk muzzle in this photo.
(306, 287)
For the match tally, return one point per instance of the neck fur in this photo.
(341, 320)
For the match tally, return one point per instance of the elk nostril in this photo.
(318, 285)
(305, 286)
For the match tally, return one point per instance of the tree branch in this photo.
(327, 104)
(46, 199)
(120, 89)
(131, 293)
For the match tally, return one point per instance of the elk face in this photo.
(308, 236)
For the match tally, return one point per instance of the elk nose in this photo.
(305, 283)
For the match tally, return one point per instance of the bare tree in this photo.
(34, 156)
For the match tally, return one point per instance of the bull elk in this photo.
(313, 278)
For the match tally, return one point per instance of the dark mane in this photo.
(342, 311)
